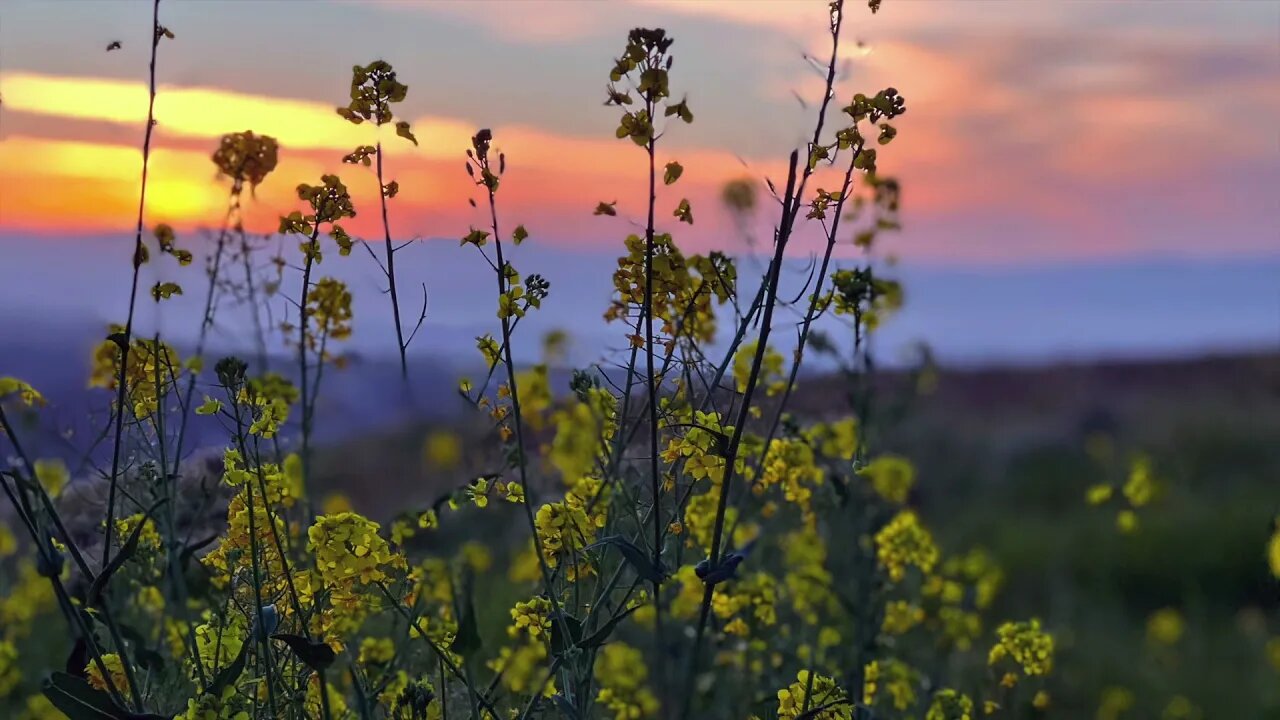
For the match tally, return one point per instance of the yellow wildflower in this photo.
(1165, 626)
(904, 542)
(891, 477)
(1026, 644)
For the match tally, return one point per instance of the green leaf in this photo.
(78, 658)
(559, 644)
(209, 406)
(673, 172)
(684, 212)
(402, 129)
(78, 700)
(604, 208)
(680, 109)
(866, 160)
(475, 237)
(634, 556)
(519, 235)
(145, 655)
(467, 640)
(317, 655)
(165, 290)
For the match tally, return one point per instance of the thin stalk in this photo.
(177, 584)
(444, 658)
(307, 406)
(655, 483)
(206, 322)
(814, 301)
(264, 648)
(515, 410)
(791, 206)
(25, 510)
(246, 259)
(735, 441)
(401, 345)
(26, 513)
(138, 250)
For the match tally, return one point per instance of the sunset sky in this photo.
(1036, 133)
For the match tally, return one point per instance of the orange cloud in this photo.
(553, 179)
(200, 112)
(85, 185)
(75, 185)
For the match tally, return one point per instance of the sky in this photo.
(1038, 135)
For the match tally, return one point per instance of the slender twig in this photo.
(122, 379)
(651, 381)
(401, 344)
(513, 386)
(791, 201)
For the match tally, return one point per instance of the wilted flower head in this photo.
(246, 157)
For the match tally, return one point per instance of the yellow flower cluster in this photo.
(563, 530)
(837, 440)
(215, 707)
(861, 294)
(700, 518)
(329, 307)
(1165, 626)
(349, 551)
(979, 570)
(234, 553)
(152, 371)
(949, 704)
(583, 431)
(374, 88)
(522, 666)
(621, 671)
(1026, 644)
(900, 616)
(808, 581)
(27, 395)
(411, 700)
(789, 465)
(114, 666)
(52, 475)
(246, 157)
(752, 598)
(904, 542)
(10, 672)
(149, 539)
(821, 699)
(771, 377)
(897, 679)
(566, 527)
(891, 476)
(28, 597)
(532, 617)
(1138, 490)
(218, 640)
(685, 289)
(376, 651)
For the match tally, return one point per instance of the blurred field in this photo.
(1005, 456)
